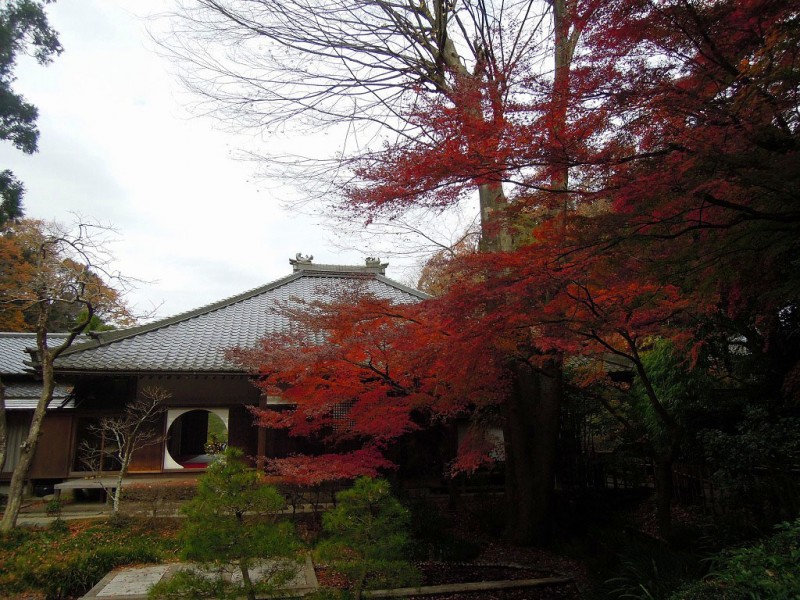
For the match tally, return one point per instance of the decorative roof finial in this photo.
(299, 259)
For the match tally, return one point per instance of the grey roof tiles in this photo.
(13, 351)
(196, 341)
(25, 396)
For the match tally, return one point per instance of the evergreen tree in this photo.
(233, 521)
(368, 536)
(23, 29)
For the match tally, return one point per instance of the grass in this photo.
(68, 559)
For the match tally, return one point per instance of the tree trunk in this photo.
(3, 426)
(358, 592)
(531, 426)
(28, 448)
(495, 236)
(662, 468)
(517, 436)
(534, 410)
(123, 471)
(546, 423)
(244, 567)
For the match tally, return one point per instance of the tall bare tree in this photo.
(69, 268)
(369, 67)
(363, 65)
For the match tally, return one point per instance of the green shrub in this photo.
(59, 525)
(188, 585)
(13, 539)
(79, 572)
(53, 507)
(652, 571)
(233, 520)
(368, 537)
(765, 570)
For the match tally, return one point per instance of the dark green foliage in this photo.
(431, 535)
(328, 594)
(59, 525)
(232, 520)
(368, 537)
(233, 516)
(684, 390)
(650, 569)
(186, 585)
(755, 465)
(14, 539)
(95, 323)
(78, 573)
(11, 192)
(23, 29)
(765, 570)
(208, 583)
(750, 440)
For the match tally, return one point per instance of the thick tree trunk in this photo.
(662, 467)
(547, 421)
(517, 435)
(495, 236)
(17, 486)
(531, 426)
(534, 411)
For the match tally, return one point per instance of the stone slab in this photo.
(132, 583)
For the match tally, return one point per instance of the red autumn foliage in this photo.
(678, 125)
(313, 471)
(370, 373)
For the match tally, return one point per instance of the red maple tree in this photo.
(653, 176)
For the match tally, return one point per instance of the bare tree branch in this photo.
(120, 437)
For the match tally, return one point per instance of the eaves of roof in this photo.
(403, 288)
(25, 396)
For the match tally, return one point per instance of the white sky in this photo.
(118, 145)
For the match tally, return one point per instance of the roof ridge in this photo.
(10, 334)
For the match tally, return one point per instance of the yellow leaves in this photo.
(45, 264)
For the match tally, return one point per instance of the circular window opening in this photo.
(195, 439)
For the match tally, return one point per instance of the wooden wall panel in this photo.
(203, 391)
(52, 458)
(241, 432)
(149, 458)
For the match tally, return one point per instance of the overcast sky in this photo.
(119, 145)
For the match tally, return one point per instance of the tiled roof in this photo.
(196, 341)
(25, 396)
(13, 351)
